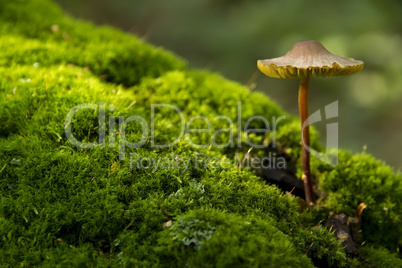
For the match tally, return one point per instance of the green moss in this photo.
(379, 257)
(217, 239)
(69, 206)
(50, 38)
(361, 178)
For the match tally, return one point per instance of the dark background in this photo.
(229, 36)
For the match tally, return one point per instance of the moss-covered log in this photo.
(70, 206)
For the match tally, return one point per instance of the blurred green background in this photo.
(229, 36)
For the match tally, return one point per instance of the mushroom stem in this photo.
(305, 138)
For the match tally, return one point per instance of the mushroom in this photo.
(305, 59)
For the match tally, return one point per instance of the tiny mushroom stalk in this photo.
(305, 59)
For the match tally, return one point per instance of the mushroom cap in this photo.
(307, 58)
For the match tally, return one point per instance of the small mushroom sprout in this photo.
(305, 59)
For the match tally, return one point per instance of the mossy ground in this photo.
(67, 206)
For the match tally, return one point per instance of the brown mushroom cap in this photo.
(307, 58)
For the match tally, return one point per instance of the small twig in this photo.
(359, 211)
(307, 251)
(245, 156)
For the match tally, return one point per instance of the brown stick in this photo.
(305, 137)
